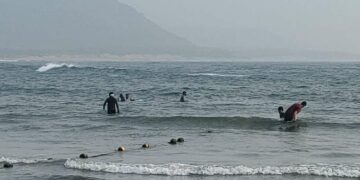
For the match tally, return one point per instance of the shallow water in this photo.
(229, 122)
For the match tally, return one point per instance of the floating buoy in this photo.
(172, 141)
(83, 156)
(180, 140)
(145, 146)
(8, 165)
(121, 148)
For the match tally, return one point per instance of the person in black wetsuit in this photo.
(112, 105)
(182, 98)
(122, 98)
(281, 112)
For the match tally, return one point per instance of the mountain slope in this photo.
(43, 27)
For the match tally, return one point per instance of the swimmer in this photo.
(292, 112)
(112, 105)
(121, 97)
(128, 98)
(281, 112)
(182, 98)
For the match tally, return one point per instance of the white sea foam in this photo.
(219, 75)
(25, 161)
(177, 169)
(3, 60)
(50, 66)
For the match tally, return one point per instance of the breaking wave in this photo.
(177, 169)
(50, 66)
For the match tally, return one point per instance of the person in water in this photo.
(281, 112)
(182, 98)
(291, 114)
(112, 105)
(121, 98)
(128, 98)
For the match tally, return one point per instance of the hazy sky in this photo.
(325, 25)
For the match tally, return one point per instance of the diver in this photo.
(291, 114)
(182, 98)
(112, 105)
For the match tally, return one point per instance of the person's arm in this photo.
(282, 115)
(295, 116)
(117, 106)
(104, 104)
(296, 112)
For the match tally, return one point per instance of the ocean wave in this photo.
(170, 94)
(177, 169)
(3, 60)
(219, 75)
(50, 66)
(66, 177)
(237, 122)
(23, 161)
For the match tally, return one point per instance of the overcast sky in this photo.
(323, 25)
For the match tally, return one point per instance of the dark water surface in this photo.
(229, 122)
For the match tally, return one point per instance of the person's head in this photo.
(127, 96)
(280, 109)
(303, 104)
(111, 94)
(184, 93)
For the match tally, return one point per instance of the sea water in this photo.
(50, 113)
